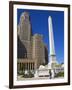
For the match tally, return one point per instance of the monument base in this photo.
(53, 61)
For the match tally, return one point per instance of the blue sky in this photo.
(39, 23)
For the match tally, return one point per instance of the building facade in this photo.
(31, 50)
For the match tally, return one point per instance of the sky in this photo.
(39, 23)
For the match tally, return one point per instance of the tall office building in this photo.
(30, 48)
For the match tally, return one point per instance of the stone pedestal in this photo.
(36, 74)
(53, 74)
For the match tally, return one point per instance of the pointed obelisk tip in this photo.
(49, 18)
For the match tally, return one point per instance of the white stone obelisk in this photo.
(52, 57)
(51, 38)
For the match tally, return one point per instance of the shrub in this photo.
(60, 74)
(29, 75)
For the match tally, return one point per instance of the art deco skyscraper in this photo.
(52, 57)
(24, 34)
(25, 26)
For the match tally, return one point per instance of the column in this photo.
(28, 66)
(31, 66)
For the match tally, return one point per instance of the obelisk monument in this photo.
(52, 56)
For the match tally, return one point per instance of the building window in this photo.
(25, 55)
